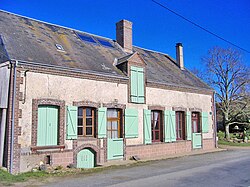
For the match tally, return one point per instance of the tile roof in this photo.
(29, 40)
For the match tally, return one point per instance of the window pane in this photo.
(79, 111)
(79, 121)
(88, 130)
(109, 124)
(157, 135)
(89, 122)
(114, 134)
(109, 134)
(156, 124)
(195, 126)
(80, 131)
(88, 112)
(112, 113)
(114, 125)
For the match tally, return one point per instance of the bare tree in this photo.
(230, 78)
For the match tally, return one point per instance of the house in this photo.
(70, 97)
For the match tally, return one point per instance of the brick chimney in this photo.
(179, 56)
(124, 35)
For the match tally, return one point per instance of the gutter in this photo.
(13, 117)
(215, 123)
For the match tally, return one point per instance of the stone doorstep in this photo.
(193, 152)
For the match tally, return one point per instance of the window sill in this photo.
(37, 148)
(86, 138)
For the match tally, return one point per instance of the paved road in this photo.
(219, 169)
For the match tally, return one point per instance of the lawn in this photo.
(222, 141)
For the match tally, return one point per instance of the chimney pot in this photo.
(124, 35)
(179, 56)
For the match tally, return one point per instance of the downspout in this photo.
(215, 123)
(13, 117)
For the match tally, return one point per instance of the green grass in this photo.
(222, 141)
(8, 179)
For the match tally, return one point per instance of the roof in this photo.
(25, 39)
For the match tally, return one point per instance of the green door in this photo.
(47, 130)
(196, 131)
(85, 159)
(115, 148)
(114, 134)
(196, 140)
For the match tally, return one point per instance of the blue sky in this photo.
(153, 27)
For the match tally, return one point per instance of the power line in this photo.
(195, 24)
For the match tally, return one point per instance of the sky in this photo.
(154, 27)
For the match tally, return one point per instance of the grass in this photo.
(8, 179)
(222, 141)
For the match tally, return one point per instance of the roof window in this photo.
(60, 47)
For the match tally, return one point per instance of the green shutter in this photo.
(131, 123)
(140, 85)
(52, 125)
(133, 83)
(172, 123)
(196, 140)
(42, 126)
(47, 130)
(102, 122)
(147, 126)
(71, 123)
(167, 126)
(188, 125)
(204, 121)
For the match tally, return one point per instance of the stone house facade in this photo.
(73, 98)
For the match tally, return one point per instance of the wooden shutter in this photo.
(52, 126)
(172, 123)
(147, 126)
(42, 126)
(188, 126)
(71, 123)
(140, 85)
(131, 123)
(102, 122)
(204, 121)
(167, 126)
(133, 86)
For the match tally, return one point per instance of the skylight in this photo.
(59, 47)
(104, 42)
(86, 38)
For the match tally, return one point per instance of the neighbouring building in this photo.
(72, 98)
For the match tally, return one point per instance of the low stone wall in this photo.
(158, 149)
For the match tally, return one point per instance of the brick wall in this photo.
(208, 144)
(62, 159)
(158, 150)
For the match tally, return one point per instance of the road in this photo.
(226, 168)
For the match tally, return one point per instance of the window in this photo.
(180, 125)
(137, 85)
(196, 128)
(59, 47)
(47, 127)
(114, 128)
(156, 126)
(86, 121)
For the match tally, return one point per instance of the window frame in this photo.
(196, 116)
(160, 130)
(180, 119)
(84, 121)
(118, 119)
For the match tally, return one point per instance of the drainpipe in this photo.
(13, 117)
(215, 123)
